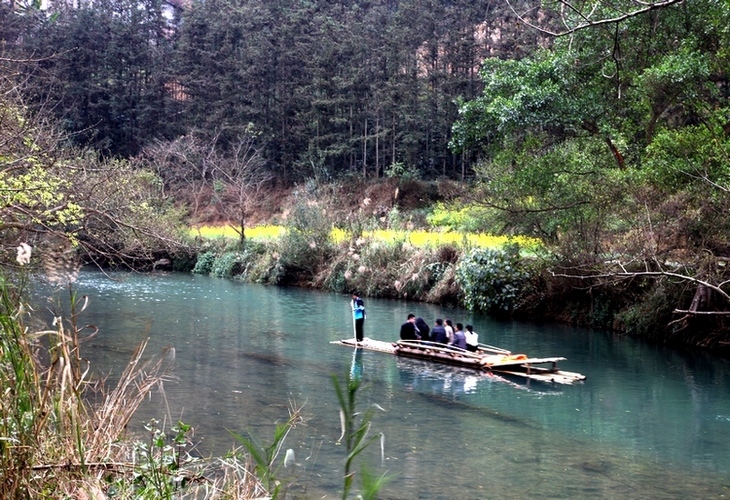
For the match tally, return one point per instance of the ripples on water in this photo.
(648, 422)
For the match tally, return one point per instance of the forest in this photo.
(600, 129)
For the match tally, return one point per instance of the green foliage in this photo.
(204, 265)
(646, 315)
(307, 243)
(356, 433)
(123, 74)
(159, 461)
(20, 411)
(226, 265)
(545, 92)
(106, 79)
(570, 138)
(683, 158)
(108, 209)
(466, 218)
(399, 171)
(563, 194)
(491, 280)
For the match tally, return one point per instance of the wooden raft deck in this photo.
(488, 358)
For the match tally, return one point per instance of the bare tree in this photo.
(239, 178)
(185, 166)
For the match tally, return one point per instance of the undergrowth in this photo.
(63, 433)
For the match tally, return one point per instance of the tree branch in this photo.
(586, 21)
(653, 274)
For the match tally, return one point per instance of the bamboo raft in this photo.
(487, 358)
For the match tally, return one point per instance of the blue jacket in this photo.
(358, 308)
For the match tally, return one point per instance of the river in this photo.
(648, 422)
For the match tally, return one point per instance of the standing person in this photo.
(438, 334)
(409, 330)
(423, 328)
(358, 315)
(449, 326)
(472, 339)
(459, 339)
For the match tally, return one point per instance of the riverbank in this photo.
(507, 281)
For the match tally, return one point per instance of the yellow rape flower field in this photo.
(254, 233)
(415, 238)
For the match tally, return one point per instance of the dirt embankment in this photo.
(344, 200)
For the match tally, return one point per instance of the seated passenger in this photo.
(449, 326)
(459, 339)
(408, 330)
(423, 328)
(472, 339)
(438, 334)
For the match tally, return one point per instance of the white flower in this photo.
(24, 251)
(348, 274)
(289, 457)
(366, 202)
(362, 269)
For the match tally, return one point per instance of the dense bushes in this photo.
(491, 280)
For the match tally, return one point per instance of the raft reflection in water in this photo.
(444, 380)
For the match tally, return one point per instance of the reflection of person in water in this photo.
(356, 365)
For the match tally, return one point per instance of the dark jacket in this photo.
(423, 328)
(438, 334)
(408, 331)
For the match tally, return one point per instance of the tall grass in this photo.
(63, 433)
(54, 442)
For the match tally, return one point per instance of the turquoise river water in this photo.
(648, 422)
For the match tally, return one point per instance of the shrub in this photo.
(225, 266)
(491, 280)
(307, 243)
(204, 265)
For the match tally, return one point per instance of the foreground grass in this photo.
(63, 434)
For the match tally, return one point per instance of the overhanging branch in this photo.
(650, 274)
(586, 21)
